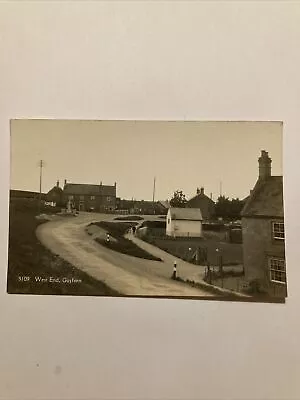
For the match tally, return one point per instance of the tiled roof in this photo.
(86, 189)
(266, 199)
(55, 189)
(190, 214)
(201, 196)
(164, 203)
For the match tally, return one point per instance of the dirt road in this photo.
(128, 275)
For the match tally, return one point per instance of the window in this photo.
(81, 197)
(108, 198)
(277, 270)
(70, 197)
(93, 197)
(278, 230)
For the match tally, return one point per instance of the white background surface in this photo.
(151, 60)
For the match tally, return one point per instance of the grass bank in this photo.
(129, 218)
(122, 245)
(33, 269)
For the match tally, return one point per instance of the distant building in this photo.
(25, 194)
(205, 203)
(183, 222)
(263, 231)
(55, 195)
(145, 207)
(86, 197)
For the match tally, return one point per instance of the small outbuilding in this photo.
(184, 222)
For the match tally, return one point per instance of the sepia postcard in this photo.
(158, 209)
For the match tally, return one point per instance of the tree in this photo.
(236, 208)
(223, 207)
(178, 199)
(229, 209)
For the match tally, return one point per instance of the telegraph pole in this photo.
(41, 165)
(153, 198)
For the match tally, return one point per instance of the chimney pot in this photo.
(57, 183)
(65, 181)
(202, 190)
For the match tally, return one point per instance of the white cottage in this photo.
(182, 222)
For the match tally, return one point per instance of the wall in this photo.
(184, 228)
(99, 204)
(257, 247)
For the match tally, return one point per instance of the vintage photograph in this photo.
(170, 209)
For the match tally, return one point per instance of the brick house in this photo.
(205, 203)
(86, 197)
(263, 232)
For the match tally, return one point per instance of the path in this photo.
(126, 274)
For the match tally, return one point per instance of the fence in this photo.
(231, 280)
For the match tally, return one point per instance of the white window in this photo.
(277, 270)
(278, 230)
(93, 197)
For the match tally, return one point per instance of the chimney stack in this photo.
(198, 191)
(202, 190)
(264, 163)
(65, 181)
(57, 183)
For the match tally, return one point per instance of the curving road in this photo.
(66, 236)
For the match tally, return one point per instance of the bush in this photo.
(116, 229)
(255, 287)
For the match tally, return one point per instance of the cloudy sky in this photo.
(181, 155)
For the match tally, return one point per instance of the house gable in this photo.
(266, 199)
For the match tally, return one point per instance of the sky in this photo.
(219, 156)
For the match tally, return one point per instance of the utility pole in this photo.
(41, 165)
(153, 198)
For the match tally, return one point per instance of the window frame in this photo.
(282, 231)
(272, 269)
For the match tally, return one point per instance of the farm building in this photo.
(263, 231)
(184, 222)
(205, 203)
